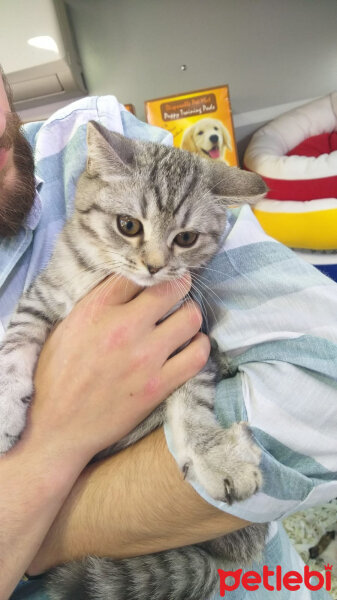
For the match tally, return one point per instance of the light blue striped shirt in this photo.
(274, 316)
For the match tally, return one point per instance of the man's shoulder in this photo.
(66, 128)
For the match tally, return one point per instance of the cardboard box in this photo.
(200, 121)
(130, 108)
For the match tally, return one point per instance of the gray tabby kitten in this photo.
(150, 213)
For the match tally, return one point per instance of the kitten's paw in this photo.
(228, 466)
(15, 396)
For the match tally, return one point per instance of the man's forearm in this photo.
(133, 503)
(34, 487)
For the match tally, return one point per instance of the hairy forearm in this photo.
(131, 504)
(33, 487)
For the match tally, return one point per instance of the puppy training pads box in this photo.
(200, 121)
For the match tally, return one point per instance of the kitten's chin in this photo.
(145, 280)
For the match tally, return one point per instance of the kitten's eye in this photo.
(186, 239)
(128, 225)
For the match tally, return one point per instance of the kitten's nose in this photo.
(152, 269)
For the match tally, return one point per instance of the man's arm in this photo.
(133, 503)
(33, 487)
(74, 414)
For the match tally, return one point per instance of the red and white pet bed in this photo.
(296, 154)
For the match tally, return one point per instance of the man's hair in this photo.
(7, 88)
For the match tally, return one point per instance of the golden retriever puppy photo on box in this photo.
(207, 137)
(200, 121)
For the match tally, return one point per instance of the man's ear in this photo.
(109, 153)
(235, 186)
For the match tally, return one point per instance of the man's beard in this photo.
(16, 198)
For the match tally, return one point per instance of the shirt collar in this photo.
(12, 248)
(34, 215)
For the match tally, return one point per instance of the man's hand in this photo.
(102, 371)
(107, 365)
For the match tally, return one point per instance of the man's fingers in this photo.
(154, 302)
(176, 330)
(186, 364)
(114, 290)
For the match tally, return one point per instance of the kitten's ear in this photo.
(109, 153)
(235, 186)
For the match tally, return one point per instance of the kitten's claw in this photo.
(7, 441)
(229, 469)
(228, 486)
(15, 396)
(185, 468)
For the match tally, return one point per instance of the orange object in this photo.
(200, 121)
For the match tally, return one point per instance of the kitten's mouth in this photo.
(144, 280)
(213, 152)
(147, 280)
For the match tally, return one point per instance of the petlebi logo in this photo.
(274, 579)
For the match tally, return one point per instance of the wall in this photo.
(270, 52)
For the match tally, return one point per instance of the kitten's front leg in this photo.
(224, 461)
(18, 356)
